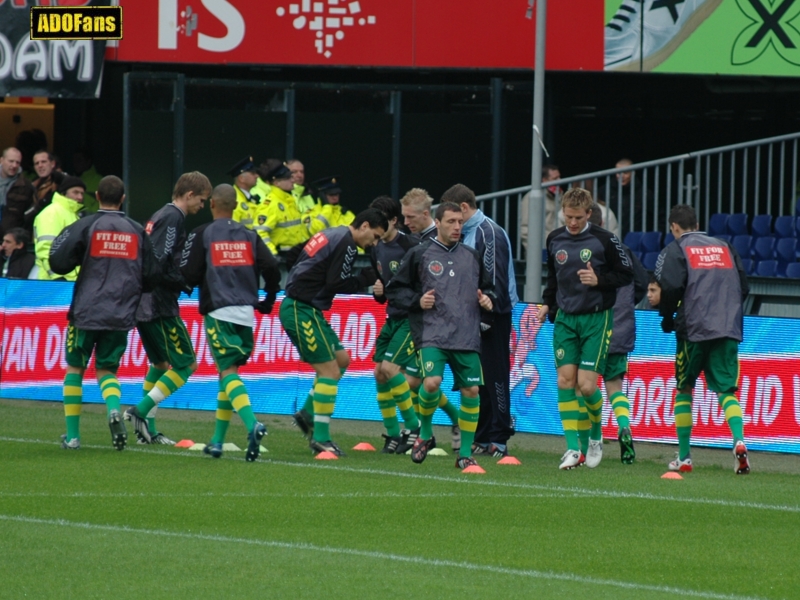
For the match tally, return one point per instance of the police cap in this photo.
(280, 171)
(327, 185)
(246, 164)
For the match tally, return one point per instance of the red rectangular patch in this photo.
(231, 254)
(114, 244)
(315, 244)
(709, 257)
(149, 227)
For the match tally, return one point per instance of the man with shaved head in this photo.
(225, 260)
(158, 318)
(16, 192)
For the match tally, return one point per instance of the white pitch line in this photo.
(417, 560)
(588, 492)
(352, 495)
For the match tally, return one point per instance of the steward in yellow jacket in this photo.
(59, 214)
(247, 197)
(329, 213)
(284, 224)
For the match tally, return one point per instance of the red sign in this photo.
(315, 244)
(114, 244)
(397, 33)
(231, 254)
(709, 257)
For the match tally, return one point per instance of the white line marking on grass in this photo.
(301, 496)
(458, 479)
(431, 562)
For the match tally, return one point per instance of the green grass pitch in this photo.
(158, 522)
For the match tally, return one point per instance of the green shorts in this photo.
(583, 340)
(717, 359)
(108, 347)
(310, 333)
(230, 343)
(616, 366)
(395, 345)
(165, 339)
(466, 366)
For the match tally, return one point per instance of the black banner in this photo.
(50, 68)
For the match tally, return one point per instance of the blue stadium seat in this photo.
(785, 227)
(761, 226)
(649, 260)
(737, 224)
(544, 255)
(793, 270)
(651, 242)
(767, 268)
(743, 245)
(764, 249)
(668, 239)
(747, 264)
(633, 239)
(723, 237)
(785, 252)
(718, 223)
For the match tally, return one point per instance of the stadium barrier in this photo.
(33, 316)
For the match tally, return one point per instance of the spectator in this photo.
(247, 199)
(630, 184)
(549, 173)
(16, 192)
(17, 261)
(330, 212)
(653, 297)
(305, 201)
(46, 184)
(62, 212)
(82, 163)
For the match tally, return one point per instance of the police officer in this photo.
(62, 212)
(330, 212)
(284, 225)
(305, 200)
(247, 199)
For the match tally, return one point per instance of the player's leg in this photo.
(616, 367)
(687, 369)
(222, 421)
(468, 375)
(495, 393)
(722, 376)
(77, 358)
(386, 403)
(567, 354)
(595, 332)
(109, 348)
(433, 361)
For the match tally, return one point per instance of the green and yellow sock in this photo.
(733, 415)
(427, 406)
(73, 399)
(325, 391)
(388, 409)
(468, 422)
(622, 409)
(170, 382)
(415, 400)
(224, 414)
(237, 394)
(568, 409)
(308, 405)
(449, 409)
(401, 393)
(150, 380)
(111, 391)
(584, 425)
(594, 404)
(683, 424)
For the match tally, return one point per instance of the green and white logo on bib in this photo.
(560, 353)
(586, 255)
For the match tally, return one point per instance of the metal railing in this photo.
(757, 177)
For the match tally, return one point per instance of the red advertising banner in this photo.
(400, 33)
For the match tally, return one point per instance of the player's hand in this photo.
(428, 299)
(543, 310)
(484, 301)
(377, 287)
(588, 276)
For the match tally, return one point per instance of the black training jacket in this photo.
(386, 258)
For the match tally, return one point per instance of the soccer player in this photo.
(395, 356)
(161, 329)
(117, 260)
(324, 269)
(416, 209)
(703, 280)
(495, 425)
(225, 260)
(585, 267)
(623, 341)
(444, 287)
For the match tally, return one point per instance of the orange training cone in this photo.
(509, 460)
(326, 456)
(184, 444)
(475, 469)
(364, 446)
(671, 475)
